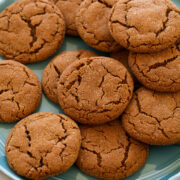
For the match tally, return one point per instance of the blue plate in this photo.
(163, 161)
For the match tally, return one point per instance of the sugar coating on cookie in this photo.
(107, 152)
(69, 9)
(145, 25)
(92, 24)
(54, 69)
(95, 90)
(43, 145)
(158, 71)
(153, 117)
(20, 91)
(31, 30)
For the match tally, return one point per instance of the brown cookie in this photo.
(145, 26)
(54, 69)
(158, 71)
(20, 91)
(31, 30)
(153, 117)
(69, 9)
(92, 24)
(95, 90)
(43, 145)
(122, 56)
(107, 152)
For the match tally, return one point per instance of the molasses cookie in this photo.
(145, 26)
(92, 24)
(20, 91)
(69, 9)
(107, 152)
(31, 30)
(43, 145)
(54, 69)
(158, 71)
(122, 56)
(95, 90)
(153, 117)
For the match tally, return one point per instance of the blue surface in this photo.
(163, 161)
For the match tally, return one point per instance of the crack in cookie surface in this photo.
(152, 117)
(54, 69)
(146, 114)
(48, 145)
(107, 145)
(131, 24)
(36, 41)
(158, 71)
(91, 23)
(18, 85)
(95, 89)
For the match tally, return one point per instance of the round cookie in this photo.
(31, 30)
(122, 56)
(43, 145)
(107, 152)
(69, 9)
(20, 91)
(145, 26)
(153, 117)
(54, 69)
(158, 71)
(95, 90)
(92, 24)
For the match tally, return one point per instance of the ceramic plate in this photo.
(163, 161)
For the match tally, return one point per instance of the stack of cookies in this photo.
(115, 106)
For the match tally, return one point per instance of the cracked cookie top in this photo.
(43, 145)
(145, 25)
(95, 90)
(153, 117)
(54, 69)
(31, 30)
(69, 9)
(107, 152)
(158, 71)
(20, 91)
(92, 24)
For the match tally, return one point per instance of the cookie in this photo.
(107, 152)
(95, 90)
(31, 30)
(69, 9)
(145, 26)
(43, 145)
(122, 56)
(153, 117)
(20, 91)
(92, 24)
(54, 69)
(158, 71)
